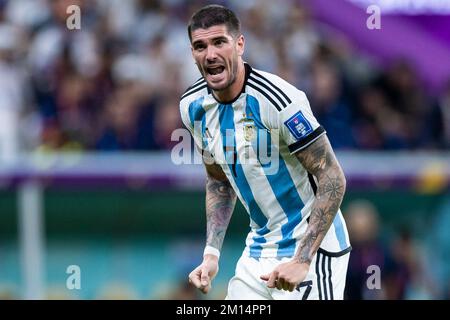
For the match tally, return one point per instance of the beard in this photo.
(231, 71)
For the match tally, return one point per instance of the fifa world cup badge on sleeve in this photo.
(299, 126)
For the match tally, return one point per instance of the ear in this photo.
(240, 43)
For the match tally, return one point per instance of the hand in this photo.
(287, 276)
(202, 276)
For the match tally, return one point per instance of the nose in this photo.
(211, 53)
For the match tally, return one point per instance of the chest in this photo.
(235, 133)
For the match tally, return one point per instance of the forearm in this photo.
(220, 202)
(330, 193)
(322, 163)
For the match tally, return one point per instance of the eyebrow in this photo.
(213, 39)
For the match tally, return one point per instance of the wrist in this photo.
(303, 260)
(211, 252)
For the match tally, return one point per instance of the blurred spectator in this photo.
(301, 39)
(363, 225)
(367, 132)
(166, 121)
(404, 271)
(257, 40)
(127, 121)
(403, 117)
(330, 107)
(13, 87)
(409, 258)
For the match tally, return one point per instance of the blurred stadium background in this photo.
(86, 118)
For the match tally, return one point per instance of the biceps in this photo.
(319, 158)
(219, 191)
(214, 171)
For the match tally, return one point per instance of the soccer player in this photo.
(298, 245)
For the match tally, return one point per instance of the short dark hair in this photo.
(213, 15)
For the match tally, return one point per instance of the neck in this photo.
(235, 89)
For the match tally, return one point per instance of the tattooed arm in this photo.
(220, 201)
(319, 160)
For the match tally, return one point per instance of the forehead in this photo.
(210, 33)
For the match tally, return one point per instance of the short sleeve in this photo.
(297, 124)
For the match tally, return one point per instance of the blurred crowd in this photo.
(386, 270)
(114, 84)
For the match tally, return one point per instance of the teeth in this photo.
(214, 71)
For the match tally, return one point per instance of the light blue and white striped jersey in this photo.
(253, 139)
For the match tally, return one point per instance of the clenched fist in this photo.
(202, 276)
(286, 276)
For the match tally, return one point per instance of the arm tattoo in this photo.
(319, 160)
(220, 202)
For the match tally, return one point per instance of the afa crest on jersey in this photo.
(249, 130)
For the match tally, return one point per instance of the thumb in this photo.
(264, 277)
(270, 278)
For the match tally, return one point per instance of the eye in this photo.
(219, 42)
(199, 46)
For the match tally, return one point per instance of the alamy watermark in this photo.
(256, 147)
(374, 20)
(374, 280)
(73, 21)
(73, 281)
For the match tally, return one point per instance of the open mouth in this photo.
(215, 70)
